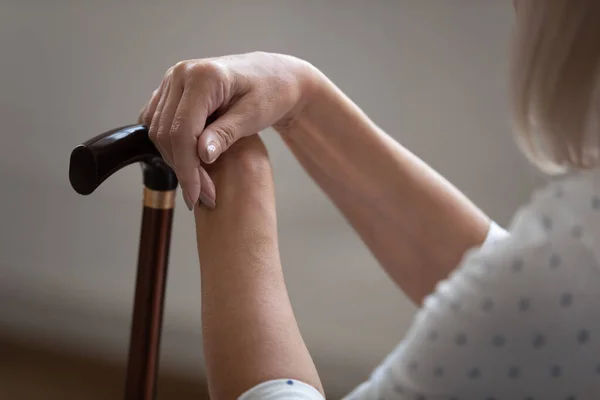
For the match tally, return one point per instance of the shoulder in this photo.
(523, 309)
(560, 225)
(549, 261)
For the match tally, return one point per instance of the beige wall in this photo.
(431, 73)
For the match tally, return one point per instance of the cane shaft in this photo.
(146, 327)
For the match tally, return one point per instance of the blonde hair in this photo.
(555, 83)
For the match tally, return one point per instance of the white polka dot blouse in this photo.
(519, 319)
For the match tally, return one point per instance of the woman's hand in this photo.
(204, 106)
(400, 206)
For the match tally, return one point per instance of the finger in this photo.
(187, 124)
(163, 136)
(208, 195)
(155, 121)
(236, 123)
(147, 112)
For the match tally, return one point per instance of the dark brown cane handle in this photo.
(97, 159)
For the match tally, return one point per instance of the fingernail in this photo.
(207, 200)
(211, 151)
(188, 200)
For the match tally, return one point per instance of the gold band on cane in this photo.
(161, 200)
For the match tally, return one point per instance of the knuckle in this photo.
(208, 70)
(287, 82)
(160, 132)
(215, 70)
(154, 129)
(180, 69)
(176, 130)
(152, 134)
(176, 127)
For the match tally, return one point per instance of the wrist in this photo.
(244, 183)
(309, 80)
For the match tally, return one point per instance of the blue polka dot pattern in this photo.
(517, 265)
(498, 341)
(583, 336)
(555, 261)
(524, 304)
(487, 305)
(474, 373)
(514, 372)
(566, 299)
(539, 341)
(290, 382)
(546, 223)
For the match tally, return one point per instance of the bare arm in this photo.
(414, 221)
(249, 330)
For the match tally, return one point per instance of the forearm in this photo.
(250, 334)
(415, 222)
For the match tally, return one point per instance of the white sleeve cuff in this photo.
(282, 389)
(495, 234)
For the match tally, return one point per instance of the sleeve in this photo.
(295, 390)
(282, 389)
(518, 319)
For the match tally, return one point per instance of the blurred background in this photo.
(430, 72)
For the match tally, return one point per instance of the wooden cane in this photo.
(93, 162)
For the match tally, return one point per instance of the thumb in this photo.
(217, 137)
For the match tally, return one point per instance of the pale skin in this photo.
(250, 334)
(400, 207)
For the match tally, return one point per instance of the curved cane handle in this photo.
(97, 159)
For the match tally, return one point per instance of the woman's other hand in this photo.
(204, 106)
